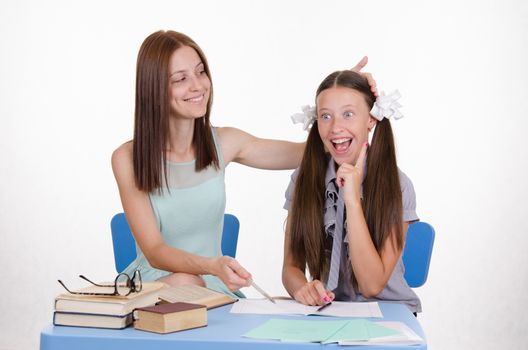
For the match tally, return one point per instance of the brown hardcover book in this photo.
(195, 295)
(108, 305)
(173, 317)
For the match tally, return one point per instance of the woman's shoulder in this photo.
(227, 135)
(122, 155)
(232, 141)
(123, 150)
(228, 132)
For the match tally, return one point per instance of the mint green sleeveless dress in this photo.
(190, 216)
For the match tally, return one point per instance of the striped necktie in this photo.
(337, 243)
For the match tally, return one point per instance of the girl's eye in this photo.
(349, 114)
(325, 116)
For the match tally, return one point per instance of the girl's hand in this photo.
(313, 293)
(230, 272)
(358, 67)
(350, 177)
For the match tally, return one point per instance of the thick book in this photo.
(195, 295)
(168, 318)
(108, 305)
(92, 320)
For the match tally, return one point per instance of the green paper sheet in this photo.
(360, 330)
(319, 331)
(296, 330)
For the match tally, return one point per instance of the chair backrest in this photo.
(122, 241)
(230, 235)
(417, 253)
(125, 245)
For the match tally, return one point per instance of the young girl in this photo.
(348, 204)
(171, 175)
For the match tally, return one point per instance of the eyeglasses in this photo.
(123, 285)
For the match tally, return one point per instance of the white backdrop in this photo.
(66, 102)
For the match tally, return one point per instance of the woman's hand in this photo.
(350, 177)
(313, 293)
(358, 67)
(230, 272)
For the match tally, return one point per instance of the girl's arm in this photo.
(295, 282)
(372, 270)
(143, 224)
(240, 147)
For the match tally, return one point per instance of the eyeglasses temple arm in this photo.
(62, 284)
(95, 284)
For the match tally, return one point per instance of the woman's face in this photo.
(189, 85)
(344, 121)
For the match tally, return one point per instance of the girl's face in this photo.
(189, 85)
(344, 121)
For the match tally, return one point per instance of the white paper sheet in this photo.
(292, 307)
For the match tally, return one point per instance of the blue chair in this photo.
(230, 235)
(417, 253)
(125, 245)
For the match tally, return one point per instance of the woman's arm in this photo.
(240, 147)
(244, 148)
(143, 224)
(295, 282)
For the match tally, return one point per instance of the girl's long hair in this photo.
(382, 199)
(151, 122)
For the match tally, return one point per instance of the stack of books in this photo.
(103, 311)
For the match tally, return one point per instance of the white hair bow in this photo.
(307, 117)
(386, 106)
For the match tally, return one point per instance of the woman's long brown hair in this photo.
(382, 199)
(151, 125)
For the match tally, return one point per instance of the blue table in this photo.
(222, 332)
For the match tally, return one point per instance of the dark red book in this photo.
(171, 317)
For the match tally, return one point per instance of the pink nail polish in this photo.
(326, 299)
(366, 144)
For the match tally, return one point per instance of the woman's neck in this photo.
(179, 147)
